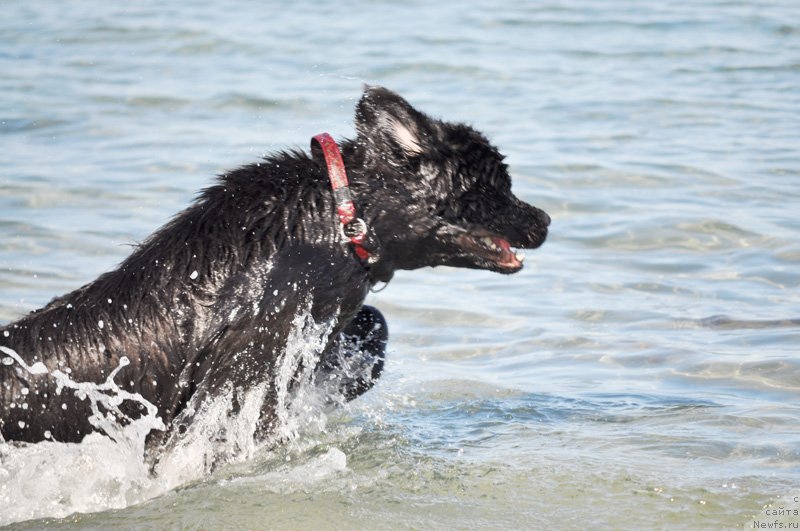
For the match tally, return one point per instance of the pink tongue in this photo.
(504, 245)
(508, 256)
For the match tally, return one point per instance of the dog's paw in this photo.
(355, 362)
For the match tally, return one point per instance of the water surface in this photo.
(641, 371)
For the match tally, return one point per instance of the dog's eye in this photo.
(496, 178)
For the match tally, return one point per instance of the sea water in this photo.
(641, 371)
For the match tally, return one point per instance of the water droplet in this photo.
(38, 368)
(100, 323)
(194, 274)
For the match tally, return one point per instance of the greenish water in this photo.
(642, 371)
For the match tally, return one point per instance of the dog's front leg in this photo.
(353, 362)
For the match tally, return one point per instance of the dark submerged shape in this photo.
(206, 304)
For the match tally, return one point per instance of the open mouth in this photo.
(495, 249)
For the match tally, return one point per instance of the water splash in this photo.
(56, 479)
(223, 429)
(110, 396)
(298, 397)
(53, 479)
(288, 478)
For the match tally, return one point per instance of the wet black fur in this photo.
(265, 242)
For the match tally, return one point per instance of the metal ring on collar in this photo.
(354, 229)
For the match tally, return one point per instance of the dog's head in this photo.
(442, 192)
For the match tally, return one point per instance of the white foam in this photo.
(292, 478)
(219, 433)
(52, 479)
(303, 348)
(216, 435)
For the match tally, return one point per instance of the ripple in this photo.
(697, 236)
(236, 100)
(157, 102)
(22, 125)
(760, 68)
(399, 69)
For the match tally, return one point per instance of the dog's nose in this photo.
(545, 218)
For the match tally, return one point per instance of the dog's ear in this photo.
(388, 122)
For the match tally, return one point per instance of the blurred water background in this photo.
(641, 372)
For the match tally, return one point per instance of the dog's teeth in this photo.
(519, 255)
(488, 242)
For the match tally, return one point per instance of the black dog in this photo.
(207, 304)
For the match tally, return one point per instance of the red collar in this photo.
(352, 227)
